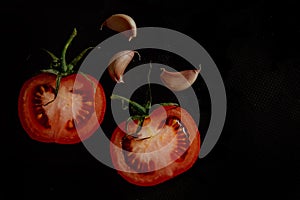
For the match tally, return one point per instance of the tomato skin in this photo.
(168, 172)
(56, 118)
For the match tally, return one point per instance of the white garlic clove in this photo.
(121, 23)
(178, 81)
(119, 63)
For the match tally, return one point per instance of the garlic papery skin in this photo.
(118, 63)
(121, 23)
(179, 80)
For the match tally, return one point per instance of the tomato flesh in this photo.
(73, 116)
(167, 145)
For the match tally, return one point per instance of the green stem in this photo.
(63, 55)
(142, 110)
(58, 79)
(149, 94)
(139, 127)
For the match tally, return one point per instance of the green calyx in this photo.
(142, 111)
(59, 65)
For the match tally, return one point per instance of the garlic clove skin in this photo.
(121, 23)
(118, 63)
(178, 81)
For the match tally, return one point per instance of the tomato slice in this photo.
(167, 145)
(73, 116)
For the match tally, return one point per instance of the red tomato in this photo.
(168, 144)
(73, 116)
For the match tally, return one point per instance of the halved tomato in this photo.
(73, 116)
(167, 144)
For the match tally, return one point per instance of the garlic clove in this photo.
(178, 81)
(121, 23)
(118, 63)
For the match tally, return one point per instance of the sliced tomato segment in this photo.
(73, 116)
(167, 145)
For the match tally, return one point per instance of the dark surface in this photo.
(256, 48)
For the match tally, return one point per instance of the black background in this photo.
(256, 48)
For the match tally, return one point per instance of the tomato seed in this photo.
(70, 124)
(39, 116)
(88, 103)
(42, 89)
